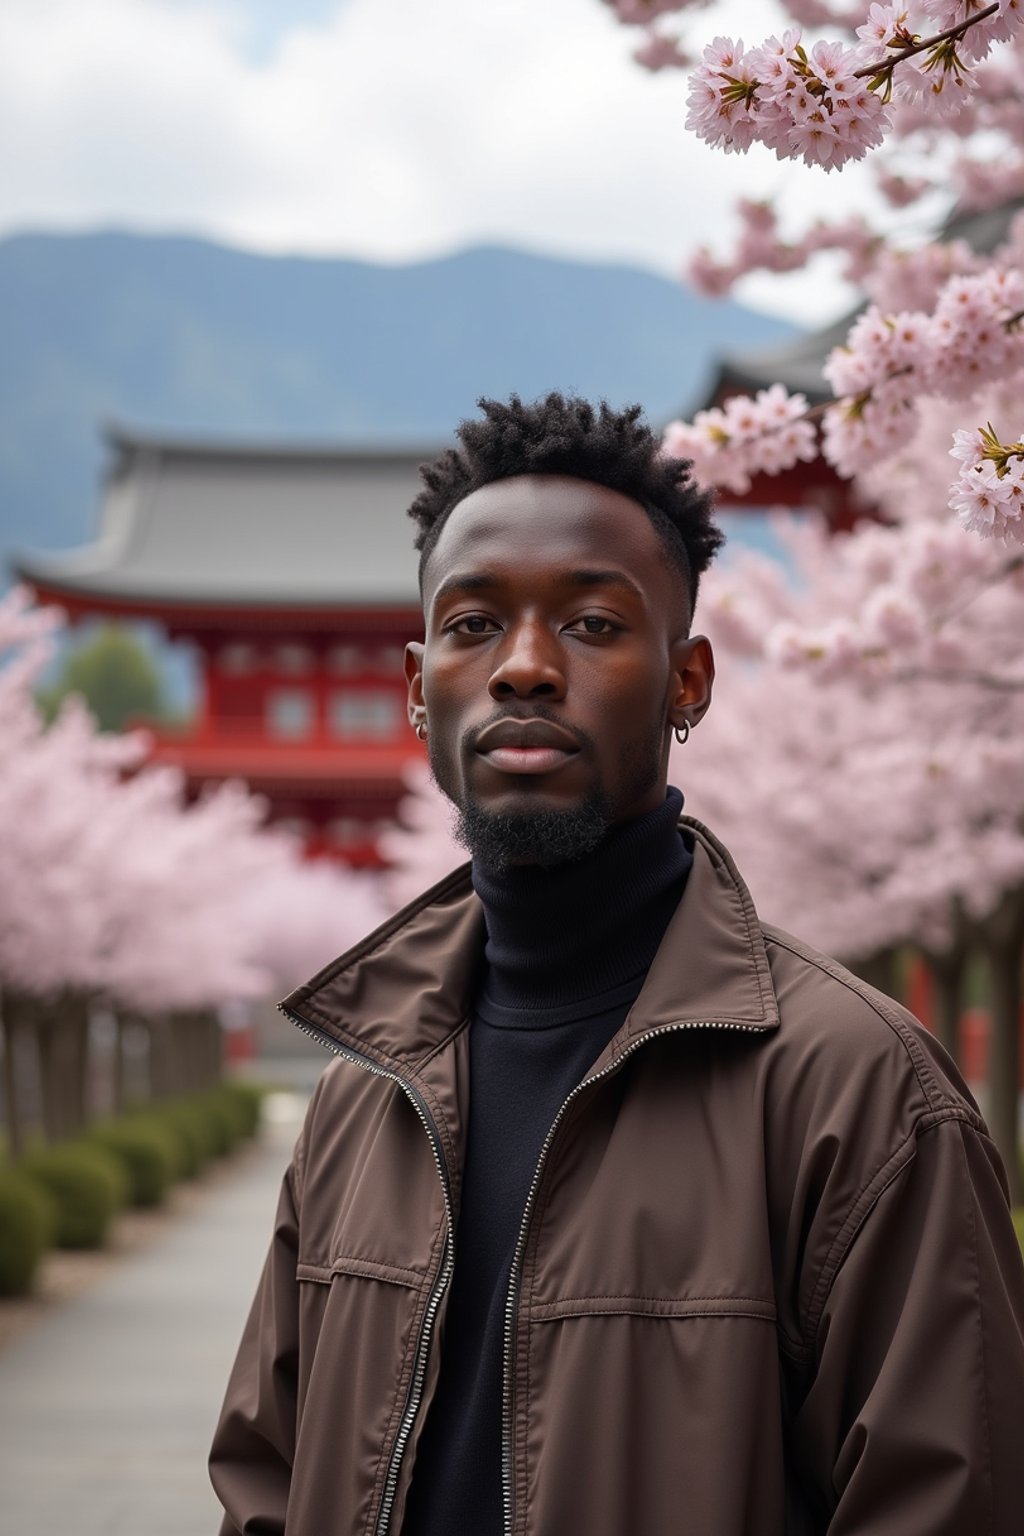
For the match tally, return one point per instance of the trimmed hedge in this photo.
(28, 1219)
(207, 1125)
(87, 1186)
(191, 1129)
(68, 1194)
(248, 1098)
(1018, 1221)
(148, 1152)
(224, 1119)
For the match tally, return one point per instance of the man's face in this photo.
(556, 662)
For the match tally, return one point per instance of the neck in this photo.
(576, 930)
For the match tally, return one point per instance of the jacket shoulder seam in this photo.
(860, 1209)
(983, 1409)
(930, 1088)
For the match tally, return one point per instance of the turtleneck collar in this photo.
(575, 931)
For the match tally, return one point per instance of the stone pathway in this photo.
(108, 1403)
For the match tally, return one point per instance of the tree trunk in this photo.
(14, 1108)
(215, 1046)
(75, 1026)
(878, 970)
(118, 1089)
(183, 1025)
(163, 1073)
(947, 974)
(133, 1064)
(1004, 945)
(51, 1066)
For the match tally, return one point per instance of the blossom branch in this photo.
(885, 66)
(991, 681)
(824, 104)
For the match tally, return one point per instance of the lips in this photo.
(526, 746)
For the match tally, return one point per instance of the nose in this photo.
(528, 665)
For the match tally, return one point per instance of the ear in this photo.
(693, 674)
(414, 678)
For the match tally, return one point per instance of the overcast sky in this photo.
(387, 129)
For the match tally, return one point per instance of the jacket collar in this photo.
(397, 996)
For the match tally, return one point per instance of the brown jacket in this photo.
(766, 1281)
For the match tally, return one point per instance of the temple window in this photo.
(391, 659)
(347, 660)
(297, 826)
(290, 713)
(237, 659)
(292, 658)
(366, 714)
(347, 831)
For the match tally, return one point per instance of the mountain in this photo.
(182, 336)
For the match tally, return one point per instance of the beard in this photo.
(500, 840)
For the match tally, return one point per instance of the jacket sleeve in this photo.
(914, 1417)
(254, 1443)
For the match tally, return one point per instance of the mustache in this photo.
(530, 711)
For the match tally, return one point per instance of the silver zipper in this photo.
(444, 1273)
(512, 1299)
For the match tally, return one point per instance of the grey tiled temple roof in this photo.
(226, 524)
(796, 364)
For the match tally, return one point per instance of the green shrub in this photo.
(28, 1219)
(222, 1118)
(208, 1124)
(147, 1150)
(192, 1132)
(248, 1097)
(237, 1103)
(87, 1186)
(1018, 1221)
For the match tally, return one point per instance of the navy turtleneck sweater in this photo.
(567, 952)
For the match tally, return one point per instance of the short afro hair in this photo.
(561, 435)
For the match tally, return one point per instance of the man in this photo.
(620, 1213)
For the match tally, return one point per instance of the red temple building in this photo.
(292, 574)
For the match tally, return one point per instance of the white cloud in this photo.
(393, 129)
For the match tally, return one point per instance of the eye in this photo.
(595, 624)
(470, 624)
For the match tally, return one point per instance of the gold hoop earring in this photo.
(421, 730)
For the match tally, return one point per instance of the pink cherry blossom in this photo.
(727, 444)
(884, 24)
(722, 98)
(113, 886)
(661, 51)
(640, 13)
(988, 493)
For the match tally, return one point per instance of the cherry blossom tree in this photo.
(115, 890)
(932, 87)
(421, 849)
(865, 755)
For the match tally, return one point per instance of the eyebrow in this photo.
(482, 581)
(591, 578)
(479, 582)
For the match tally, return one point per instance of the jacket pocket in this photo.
(638, 1390)
(359, 1321)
